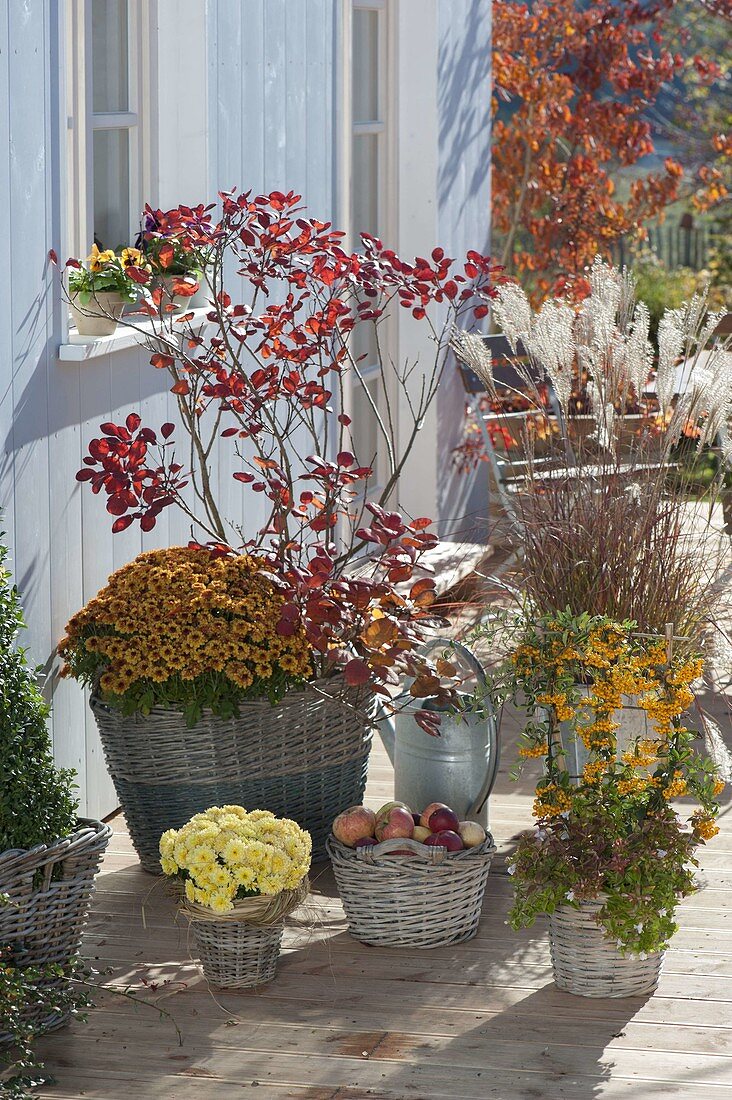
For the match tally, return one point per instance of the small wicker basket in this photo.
(588, 964)
(49, 890)
(238, 954)
(427, 898)
(240, 949)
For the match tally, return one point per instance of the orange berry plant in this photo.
(610, 831)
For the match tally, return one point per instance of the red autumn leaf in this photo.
(167, 430)
(117, 505)
(184, 288)
(429, 721)
(160, 361)
(148, 521)
(137, 274)
(245, 478)
(181, 387)
(121, 524)
(166, 255)
(356, 673)
(345, 458)
(52, 256)
(112, 429)
(133, 422)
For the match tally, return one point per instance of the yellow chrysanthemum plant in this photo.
(227, 854)
(187, 629)
(615, 831)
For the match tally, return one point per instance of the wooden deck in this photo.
(348, 1022)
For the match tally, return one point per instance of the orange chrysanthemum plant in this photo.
(189, 629)
(612, 831)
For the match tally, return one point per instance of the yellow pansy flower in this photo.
(97, 259)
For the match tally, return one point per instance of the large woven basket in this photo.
(427, 898)
(588, 964)
(240, 949)
(304, 758)
(49, 889)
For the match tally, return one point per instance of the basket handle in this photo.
(429, 853)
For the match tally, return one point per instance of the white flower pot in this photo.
(100, 315)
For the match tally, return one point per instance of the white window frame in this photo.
(82, 121)
(384, 128)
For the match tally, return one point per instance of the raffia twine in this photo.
(261, 911)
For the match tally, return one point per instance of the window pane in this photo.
(365, 190)
(111, 188)
(110, 84)
(366, 434)
(365, 65)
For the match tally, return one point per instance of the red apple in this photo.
(365, 842)
(446, 839)
(397, 823)
(444, 819)
(385, 810)
(424, 818)
(353, 824)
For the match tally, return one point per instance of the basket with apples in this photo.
(407, 879)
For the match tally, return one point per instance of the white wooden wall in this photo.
(258, 109)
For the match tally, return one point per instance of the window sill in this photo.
(77, 349)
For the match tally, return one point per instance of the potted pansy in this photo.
(612, 854)
(99, 291)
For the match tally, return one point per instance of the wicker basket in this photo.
(305, 758)
(237, 954)
(428, 898)
(49, 890)
(587, 964)
(240, 949)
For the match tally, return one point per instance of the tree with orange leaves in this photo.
(573, 82)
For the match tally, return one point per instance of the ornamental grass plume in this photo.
(604, 515)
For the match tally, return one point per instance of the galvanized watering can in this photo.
(460, 766)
